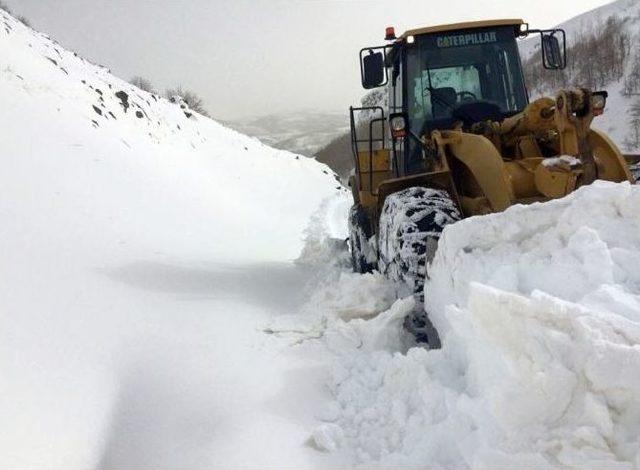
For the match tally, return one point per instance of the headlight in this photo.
(398, 125)
(598, 102)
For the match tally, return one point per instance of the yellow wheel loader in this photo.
(460, 137)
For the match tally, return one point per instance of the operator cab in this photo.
(456, 76)
(448, 75)
(438, 77)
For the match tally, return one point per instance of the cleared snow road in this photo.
(211, 390)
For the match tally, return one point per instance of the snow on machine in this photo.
(459, 137)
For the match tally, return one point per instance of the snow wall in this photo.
(538, 308)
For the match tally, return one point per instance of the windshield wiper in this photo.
(437, 96)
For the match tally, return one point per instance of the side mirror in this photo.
(372, 68)
(553, 53)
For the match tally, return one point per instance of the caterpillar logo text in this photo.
(467, 39)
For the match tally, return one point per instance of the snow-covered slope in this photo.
(585, 21)
(141, 247)
(82, 114)
(616, 120)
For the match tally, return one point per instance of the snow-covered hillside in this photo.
(141, 249)
(585, 21)
(619, 113)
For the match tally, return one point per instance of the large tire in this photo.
(363, 255)
(410, 226)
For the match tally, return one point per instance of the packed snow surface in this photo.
(539, 312)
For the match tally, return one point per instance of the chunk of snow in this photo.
(562, 159)
(328, 436)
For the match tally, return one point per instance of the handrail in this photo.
(355, 141)
(371, 122)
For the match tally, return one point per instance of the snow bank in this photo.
(539, 311)
(568, 248)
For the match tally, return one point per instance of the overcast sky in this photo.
(250, 57)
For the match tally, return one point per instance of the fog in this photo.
(254, 57)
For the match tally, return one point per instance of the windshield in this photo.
(446, 70)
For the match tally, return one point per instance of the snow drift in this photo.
(539, 312)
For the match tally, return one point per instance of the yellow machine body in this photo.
(545, 152)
